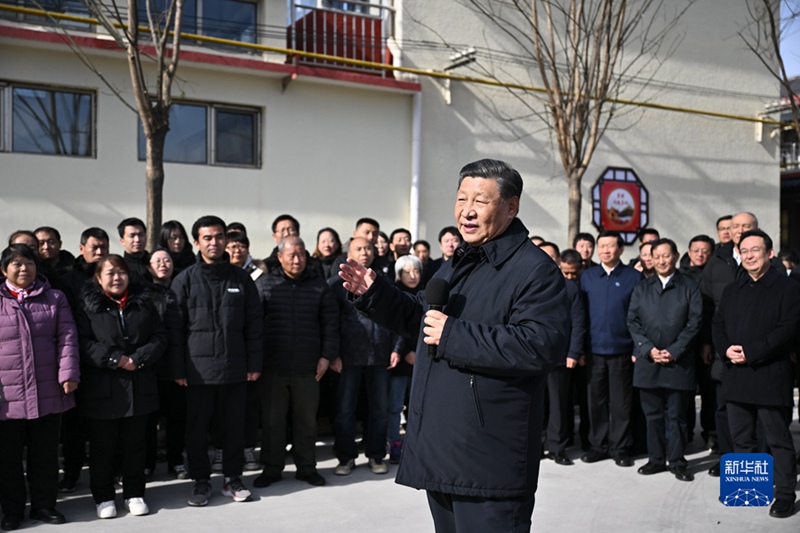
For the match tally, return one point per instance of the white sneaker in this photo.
(216, 464)
(233, 488)
(344, 469)
(250, 462)
(106, 509)
(136, 506)
(378, 466)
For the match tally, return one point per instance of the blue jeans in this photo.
(397, 398)
(344, 425)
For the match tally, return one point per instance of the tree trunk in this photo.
(574, 204)
(154, 185)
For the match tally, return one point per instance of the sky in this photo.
(790, 47)
(790, 51)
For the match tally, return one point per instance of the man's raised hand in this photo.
(357, 278)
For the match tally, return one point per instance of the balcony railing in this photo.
(790, 156)
(351, 30)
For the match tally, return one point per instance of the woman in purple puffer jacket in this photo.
(39, 370)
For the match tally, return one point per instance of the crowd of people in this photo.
(211, 347)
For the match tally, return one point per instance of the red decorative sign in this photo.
(620, 202)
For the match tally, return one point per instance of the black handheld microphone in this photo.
(437, 292)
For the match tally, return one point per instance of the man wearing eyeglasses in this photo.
(722, 269)
(754, 332)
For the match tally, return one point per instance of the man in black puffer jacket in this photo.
(301, 338)
(223, 324)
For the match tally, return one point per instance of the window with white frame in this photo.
(46, 120)
(211, 134)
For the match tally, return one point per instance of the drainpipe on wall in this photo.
(416, 122)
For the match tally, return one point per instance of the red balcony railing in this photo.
(352, 30)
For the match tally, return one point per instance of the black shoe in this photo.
(592, 456)
(622, 459)
(11, 522)
(682, 473)
(265, 480)
(651, 468)
(560, 459)
(714, 470)
(712, 444)
(49, 516)
(312, 479)
(67, 486)
(782, 508)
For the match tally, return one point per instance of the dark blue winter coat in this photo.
(475, 415)
(607, 298)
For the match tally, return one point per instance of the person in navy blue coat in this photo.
(607, 288)
(473, 439)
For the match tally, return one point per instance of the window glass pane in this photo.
(51, 122)
(70, 7)
(229, 19)
(186, 140)
(157, 7)
(236, 138)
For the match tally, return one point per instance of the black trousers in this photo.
(279, 394)
(252, 414)
(580, 396)
(654, 403)
(743, 417)
(172, 410)
(40, 435)
(73, 443)
(109, 441)
(201, 402)
(559, 395)
(708, 399)
(466, 514)
(721, 417)
(610, 380)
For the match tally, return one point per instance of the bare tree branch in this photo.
(762, 36)
(583, 51)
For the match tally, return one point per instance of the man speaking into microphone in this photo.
(473, 439)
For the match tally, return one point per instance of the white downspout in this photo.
(416, 115)
(416, 126)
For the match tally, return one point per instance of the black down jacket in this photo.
(222, 322)
(105, 335)
(363, 342)
(301, 322)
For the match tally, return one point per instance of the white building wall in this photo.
(696, 168)
(330, 153)
(335, 152)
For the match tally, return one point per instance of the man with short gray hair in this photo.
(301, 338)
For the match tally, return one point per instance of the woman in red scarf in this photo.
(121, 339)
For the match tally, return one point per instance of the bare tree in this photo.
(769, 21)
(586, 52)
(152, 47)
